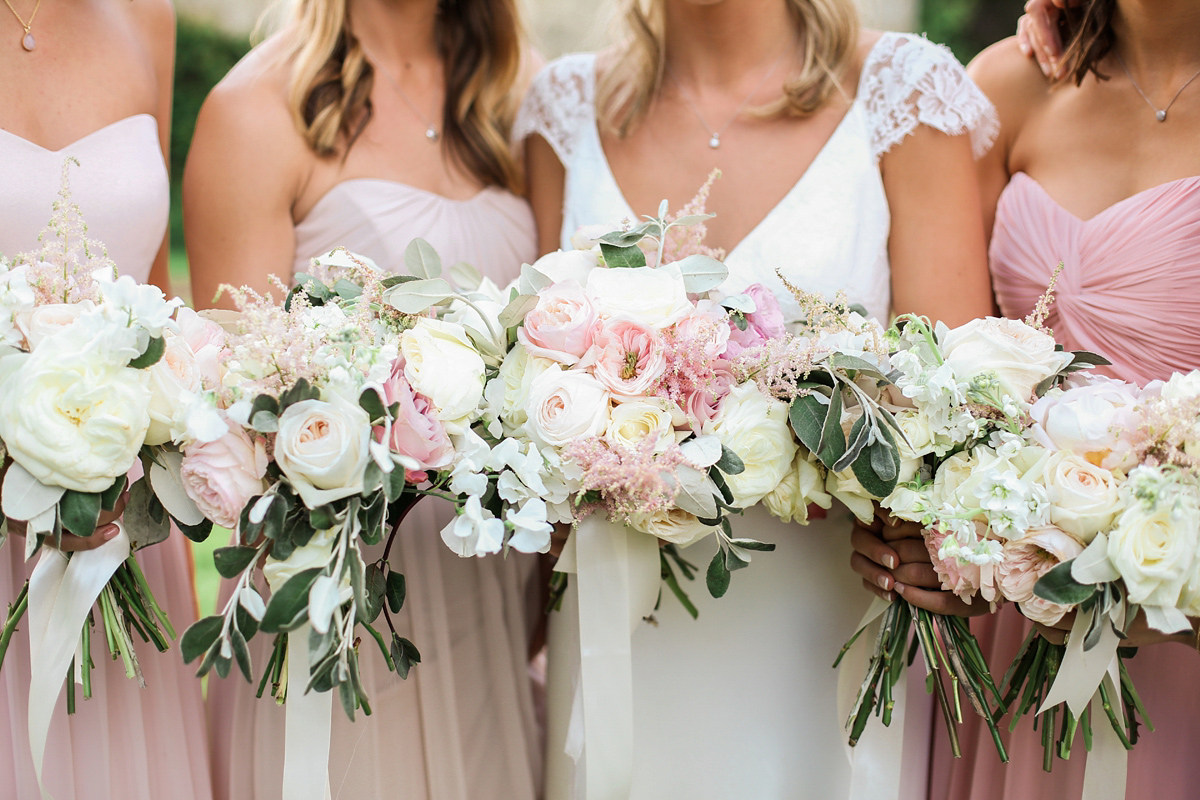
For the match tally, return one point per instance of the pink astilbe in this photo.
(779, 365)
(1167, 426)
(629, 480)
(691, 368)
(62, 270)
(687, 240)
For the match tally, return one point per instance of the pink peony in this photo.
(562, 325)
(223, 475)
(207, 341)
(629, 357)
(416, 431)
(1029, 558)
(765, 323)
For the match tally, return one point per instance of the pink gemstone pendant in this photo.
(29, 43)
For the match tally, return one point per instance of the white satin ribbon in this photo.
(1106, 770)
(617, 575)
(877, 761)
(307, 729)
(61, 593)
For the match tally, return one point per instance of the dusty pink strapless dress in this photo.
(462, 726)
(1128, 291)
(126, 742)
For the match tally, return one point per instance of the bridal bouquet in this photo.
(98, 378)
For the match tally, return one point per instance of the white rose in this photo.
(1019, 356)
(322, 448)
(508, 393)
(441, 364)
(567, 265)
(675, 526)
(756, 428)
(654, 297)
(172, 378)
(1084, 498)
(71, 422)
(41, 321)
(846, 487)
(636, 420)
(801, 486)
(1155, 551)
(565, 405)
(951, 475)
(915, 445)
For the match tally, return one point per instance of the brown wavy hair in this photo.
(480, 44)
(1089, 37)
(828, 31)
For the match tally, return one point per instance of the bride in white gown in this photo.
(847, 165)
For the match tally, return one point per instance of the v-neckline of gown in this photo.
(80, 140)
(783, 201)
(1104, 212)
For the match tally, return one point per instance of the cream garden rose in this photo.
(565, 405)
(508, 394)
(1154, 550)
(441, 363)
(675, 526)
(1029, 558)
(70, 422)
(654, 297)
(756, 428)
(322, 448)
(1084, 499)
(172, 377)
(800, 487)
(567, 265)
(636, 420)
(1021, 357)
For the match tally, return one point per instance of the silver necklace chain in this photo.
(1160, 114)
(715, 135)
(431, 133)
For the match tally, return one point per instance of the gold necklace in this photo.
(28, 42)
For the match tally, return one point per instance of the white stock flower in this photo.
(441, 363)
(475, 531)
(1020, 357)
(322, 448)
(653, 297)
(756, 428)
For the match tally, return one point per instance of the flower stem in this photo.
(15, 612)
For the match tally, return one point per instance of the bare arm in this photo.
(546, 179)
(937, 251)
(244, 171)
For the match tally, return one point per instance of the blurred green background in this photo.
(204, 53)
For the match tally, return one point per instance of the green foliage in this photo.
(968, 26)
(202, 57)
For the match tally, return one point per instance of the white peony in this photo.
(1019, 356)
(654, 297)
(1091, 420)
(565, 405)
(70, 421)
(441, 364)
(756, 428)
(322, 448)
(675, 526)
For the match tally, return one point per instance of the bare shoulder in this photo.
(251, 100)
(156, 17)
(1012, 81)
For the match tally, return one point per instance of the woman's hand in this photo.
(105, 530)
(1038, 36)
(891, 557)
(1140, 634)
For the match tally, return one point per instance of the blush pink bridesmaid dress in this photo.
(462, 726)
(126, 742)
(1128, 291)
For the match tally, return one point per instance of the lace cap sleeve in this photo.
(909, 81)
(559, 105)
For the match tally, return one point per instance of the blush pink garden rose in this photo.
(416, 432)
(562, 325)
(702, 405)
(708, 326)
(221, 476)
(964, 580)
(765, 323)
(1029, 558)
(629, 357)
(207, 341)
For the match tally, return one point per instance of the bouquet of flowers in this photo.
(97, 374)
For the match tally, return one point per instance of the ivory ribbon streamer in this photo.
(1082, 670)
(306, 733)
(1105, 772)
(617, 573)
(61, 593)
(877, 760)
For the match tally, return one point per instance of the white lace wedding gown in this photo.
(741, 703)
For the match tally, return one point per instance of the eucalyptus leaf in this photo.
(1092, 565)
(622, 257)
(288, 607)
(110, 496)
(300, 391)
(807, 416)
(532, 280)
(701, 273)
(859, 434)
(422, 260)
(142, 527)
(833, 440)
(752, 544)
(151, 355)
(232, 561)
(696, 492)
(199, 637)
(241, 652)
(24, 496)
(740, 302)
(79, 512)
(465, 276)
(687, 220)
(417, 296)
(718, 575)
(396, 591)
(730, 462)
(703, 451)
(264, 422)
(347, 290)
(167, 484)
(1058, 586)
(370, 402)
(514, 313)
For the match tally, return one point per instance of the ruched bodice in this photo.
(1130, 274)
(492, 231)
(120, 184)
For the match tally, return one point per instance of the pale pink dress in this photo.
(126, 742)
(1128, 291)
(462, 726)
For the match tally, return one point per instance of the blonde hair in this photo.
(828, 35)
(329, 92)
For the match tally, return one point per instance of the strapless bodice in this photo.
(1130, 274)
(120, 184)
(492, 231)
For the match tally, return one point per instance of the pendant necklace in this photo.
(1160, 114)
(28, 42)
(431, 133)
(714, 140)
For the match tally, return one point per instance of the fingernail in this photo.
(882, 580)
(110, 532)
(889, 562)
(899, 588)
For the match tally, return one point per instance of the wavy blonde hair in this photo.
(331, 80)
(828, 31)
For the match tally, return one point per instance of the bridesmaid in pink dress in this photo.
(269, 186)
(1106, 179)
(96, 87)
